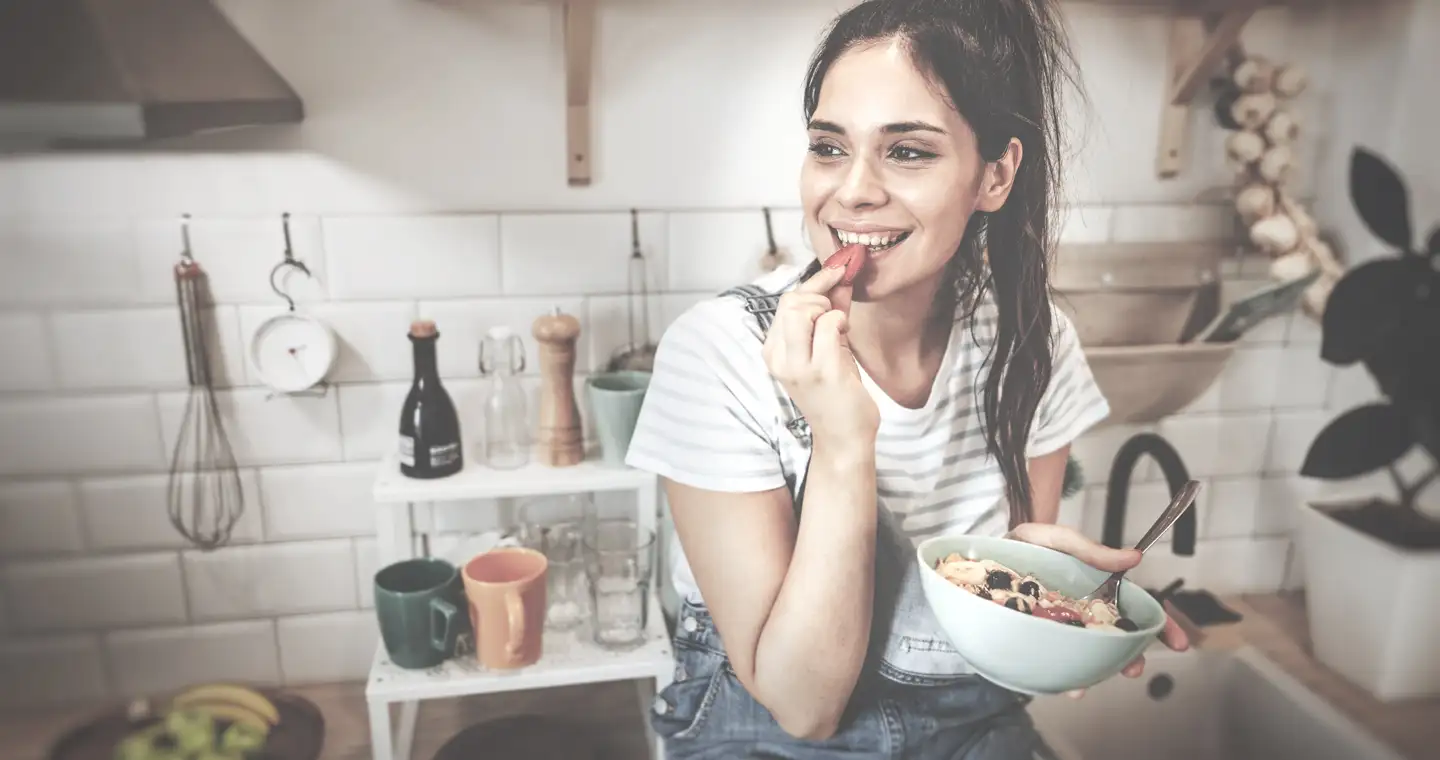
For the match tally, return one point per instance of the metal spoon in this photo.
(1109, 591)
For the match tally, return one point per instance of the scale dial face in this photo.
(292, 352)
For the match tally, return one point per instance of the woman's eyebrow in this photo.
(912, 126)
(901, 127)
(820, 125)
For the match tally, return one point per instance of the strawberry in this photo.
(852, 257)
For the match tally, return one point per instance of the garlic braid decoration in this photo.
(1259, 151)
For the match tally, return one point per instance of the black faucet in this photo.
(1117, 491)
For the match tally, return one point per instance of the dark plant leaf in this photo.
(1364, 310)
(1429, 432)
(1388, 368)
(1380, 198)
(1358, 442)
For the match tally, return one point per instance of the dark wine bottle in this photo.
(429, 426)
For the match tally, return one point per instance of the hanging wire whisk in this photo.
(204, 494)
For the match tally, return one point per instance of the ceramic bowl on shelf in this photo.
(1028, 654)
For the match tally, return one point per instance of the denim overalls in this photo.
(917, 699)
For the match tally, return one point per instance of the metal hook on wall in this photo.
(288, 261)
(772, 257)
(185, 254)
(769, 231)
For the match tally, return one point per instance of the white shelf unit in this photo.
(406, 515)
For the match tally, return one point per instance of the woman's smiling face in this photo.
(891, 164)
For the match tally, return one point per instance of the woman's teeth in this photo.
(875, 241)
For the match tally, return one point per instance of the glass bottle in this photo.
(507, 421)
(429, 427)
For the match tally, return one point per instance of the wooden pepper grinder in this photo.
(559, 439)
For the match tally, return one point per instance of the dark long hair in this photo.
(1002, 63)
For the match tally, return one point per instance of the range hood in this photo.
(106, 71)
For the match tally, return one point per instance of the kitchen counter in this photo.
(610, 711)
(1274, 624)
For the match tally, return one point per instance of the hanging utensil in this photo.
(292, 352)
(639, 354)
(773, 256)
(204, 495)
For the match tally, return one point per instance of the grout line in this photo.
(355, 570)
(107, 666)
(279, 658)
(184, 587)
(500, 251)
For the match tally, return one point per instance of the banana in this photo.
(233, 713)
(243, 696)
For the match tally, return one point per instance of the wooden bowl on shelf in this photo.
(1147, 383)
(1138, 294)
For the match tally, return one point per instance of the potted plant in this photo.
(1372, 566)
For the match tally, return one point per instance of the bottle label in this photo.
(444, 456)
(407, 451)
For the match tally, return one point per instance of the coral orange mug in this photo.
(506, 591)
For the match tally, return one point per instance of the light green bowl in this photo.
(1028, 654)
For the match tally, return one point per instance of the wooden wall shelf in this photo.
(1200, 38)
(1203, 32)
(579, 55)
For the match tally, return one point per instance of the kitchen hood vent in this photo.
(109, 71)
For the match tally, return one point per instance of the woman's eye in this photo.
(903, 153)
(824, 150)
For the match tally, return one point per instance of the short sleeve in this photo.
(1073, 402)
(704, 418)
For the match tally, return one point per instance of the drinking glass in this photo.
(539, 513)
(567, 602)
(555, 527)
(619, 557)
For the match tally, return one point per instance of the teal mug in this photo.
(615, 400)
(422, 611)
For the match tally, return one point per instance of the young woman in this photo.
(809, 432)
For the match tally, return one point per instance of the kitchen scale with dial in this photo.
(292, 352)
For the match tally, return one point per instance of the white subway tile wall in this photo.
(153, 660)
(52, 669)
(99, 597)
(132, 512)
(88, 547)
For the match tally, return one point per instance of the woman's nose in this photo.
(862, 185)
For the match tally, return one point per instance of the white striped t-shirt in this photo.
(713, 418)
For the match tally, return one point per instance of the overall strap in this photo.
(762, 304)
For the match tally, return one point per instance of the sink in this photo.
(1202, 705)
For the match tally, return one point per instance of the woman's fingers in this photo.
(1174, 636)
(795, 323)
(1135, 669)
(1076, 694)
(822, 281)
(1074, 543)
(831, 344)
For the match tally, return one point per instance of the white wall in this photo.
(428, 180)
(1383, 83)
(1416, 152)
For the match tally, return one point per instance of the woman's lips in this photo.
(852, 257)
